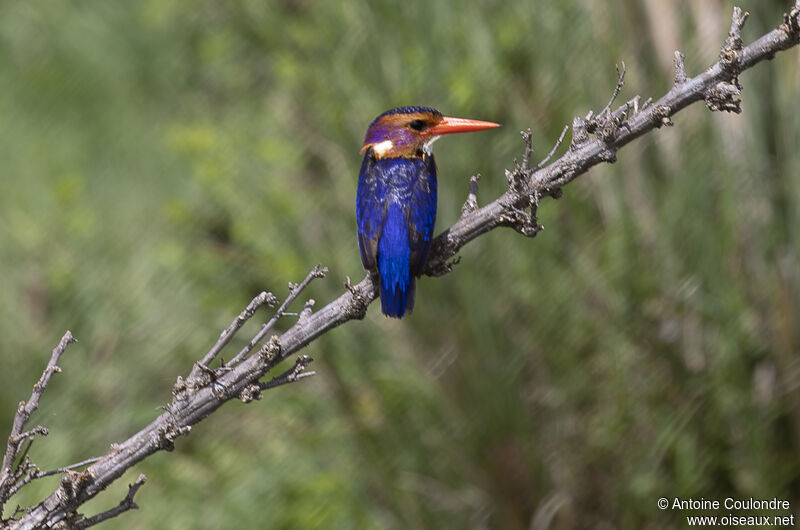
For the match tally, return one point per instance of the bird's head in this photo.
(409, 132)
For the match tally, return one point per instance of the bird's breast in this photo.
(399, 176)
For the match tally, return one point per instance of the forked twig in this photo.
(262, 298)
(24, 412)
(294, 290)
(125, 505)
(546, 159)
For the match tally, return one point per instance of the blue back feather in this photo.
(396, 213)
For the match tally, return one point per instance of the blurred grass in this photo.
(164, 161)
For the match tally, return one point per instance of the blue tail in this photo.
(394, 254)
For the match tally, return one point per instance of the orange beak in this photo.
(458, 125)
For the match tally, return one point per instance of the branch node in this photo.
(610, 128)
(171, 432)
(523, 222)
(357, 308)
(607, 121)
(125, 505)
(444, 267)
(180, 390)
(40, 430)
(73, 483)
(730, 54)
(680, 69)
(319, 271)
(471, 204)
(724, 96)
(509, 177)
(633, 104)
(306, 311)
(295, 373)
(517, 179)
(270, 351)
(579, 133)
(527, 138)
(348, 284)
(661, 116)
(791, 21)
(250, 393)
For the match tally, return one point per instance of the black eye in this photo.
(417, 125)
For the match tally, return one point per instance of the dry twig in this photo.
(13, 477)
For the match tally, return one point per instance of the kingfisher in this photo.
(396, 198)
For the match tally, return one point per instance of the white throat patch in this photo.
(427, 147)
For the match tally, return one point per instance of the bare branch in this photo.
(124, 505)
(23, 462)
(729, 56)
(294, 290)
(620, 83)
(308, 307)
(295, 373)
(527, 139)
(36, 473)
(471, 204)
(594, 141)
(680, 68)
(262, 298)
(24, 412)
(587, 150)
(29, 434)
(546, 159)
(68, 468)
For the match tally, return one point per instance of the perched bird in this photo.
(396, 198)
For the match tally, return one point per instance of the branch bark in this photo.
(595, 139)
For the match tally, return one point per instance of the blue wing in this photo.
(370, 211)
(422, 213)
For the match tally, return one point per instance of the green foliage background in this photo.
(163, 161)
